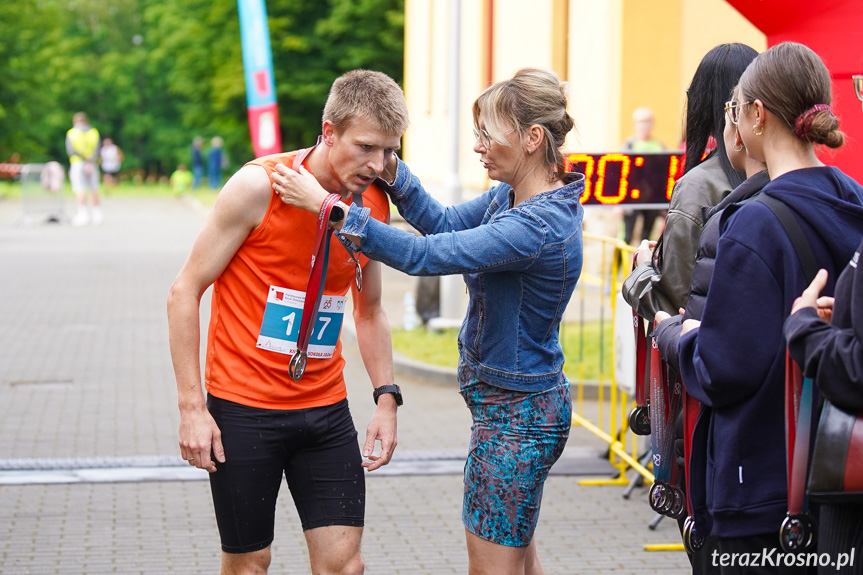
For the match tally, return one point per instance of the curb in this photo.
(413, 369)
(406, 367)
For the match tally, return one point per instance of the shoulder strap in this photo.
(795, 234)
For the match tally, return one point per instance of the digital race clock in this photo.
(642, 180)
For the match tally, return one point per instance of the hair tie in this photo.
(803, 123)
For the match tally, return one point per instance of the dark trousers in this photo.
(840, 532)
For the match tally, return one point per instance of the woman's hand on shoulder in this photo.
(390, 170)
(298, 189)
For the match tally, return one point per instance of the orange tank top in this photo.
(252, 302)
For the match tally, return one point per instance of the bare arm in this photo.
(239, 209)
(373, 337)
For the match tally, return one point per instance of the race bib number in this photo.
(280, 328)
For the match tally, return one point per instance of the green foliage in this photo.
(585, 346)
(152, 74)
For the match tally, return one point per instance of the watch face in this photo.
(337, 214)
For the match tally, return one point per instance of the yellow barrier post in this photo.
(617, 404)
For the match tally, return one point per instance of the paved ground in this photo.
(86, 381)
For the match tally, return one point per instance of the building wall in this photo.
(663, 43)
(595, 58)
(651, 67)
(616, 55)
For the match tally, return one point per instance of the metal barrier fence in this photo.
(607, 261)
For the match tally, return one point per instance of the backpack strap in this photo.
(797, 532)
(795, 234)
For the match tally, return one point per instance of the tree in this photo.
(152, 74)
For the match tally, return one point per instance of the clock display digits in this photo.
(619, 178)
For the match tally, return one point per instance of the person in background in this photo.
(197, 162)
(825, 337)
(256, 424)
(214, 163)
(181, 180)
(82, 145)
(733, 360)
(661, 279)
(112, 159)
(668, 327)
(642, 141)
(519, 247)
(668, 332)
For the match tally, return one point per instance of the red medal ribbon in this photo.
(315, 287)
(797, 532)
(318, 273)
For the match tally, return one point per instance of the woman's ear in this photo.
(758, 110)
(535, 136)
(738, 141)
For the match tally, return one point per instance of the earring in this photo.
(760, 131)
(738, 147)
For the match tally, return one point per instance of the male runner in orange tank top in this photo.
(256, 423)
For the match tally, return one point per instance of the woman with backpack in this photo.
(732, 361)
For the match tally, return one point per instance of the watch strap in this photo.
(394, 389)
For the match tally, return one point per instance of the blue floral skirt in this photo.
(515, 439)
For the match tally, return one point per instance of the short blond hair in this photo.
(642, 115)
(532, 96)
(370, 95)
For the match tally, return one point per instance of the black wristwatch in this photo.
(394, 389)
(337, 214)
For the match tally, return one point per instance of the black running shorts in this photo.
(315, 449)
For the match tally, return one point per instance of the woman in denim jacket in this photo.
(519, 248)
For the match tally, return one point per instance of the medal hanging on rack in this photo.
(797, 532)
(639, 417)
(692, 540)
(315, 288)
(665, 496)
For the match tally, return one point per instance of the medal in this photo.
(315, 289)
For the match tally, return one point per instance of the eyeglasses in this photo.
(485, 138)
(858, 86)
(732, 108)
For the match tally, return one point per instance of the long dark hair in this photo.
(715, 78)
(711, 86)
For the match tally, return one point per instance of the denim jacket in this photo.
(520, 265)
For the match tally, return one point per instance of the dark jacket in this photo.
(647, 289)
(832, 353)
(734, 363)
(668, 331)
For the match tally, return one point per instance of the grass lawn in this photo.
(583, 345)
(206, 196)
